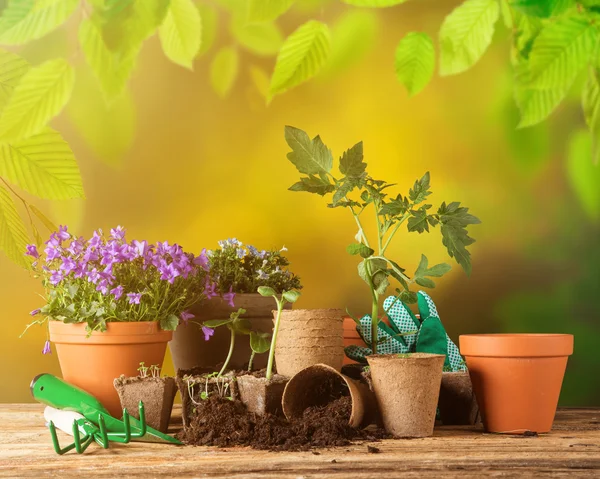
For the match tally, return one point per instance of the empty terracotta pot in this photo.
(93, 363)
(517, 378)
(308, 337)
(317, 384)
(407, 388)
(351, 337)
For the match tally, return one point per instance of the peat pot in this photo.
(262, 395)
(407, 388)
(307, 337)
(93, 363)
(517, 378)
(189, 349)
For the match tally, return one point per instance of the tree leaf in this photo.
(466, 34)
(591, 110)
(267, 10)
(351, 161)
(415, 61)
(210, 21)
(50, 226)
(40, 96)
(583, 174)
(12, 69)
(374, 3)
(560, 52)
(259, 342)
(26, 20)
(181, 32)
(455, 237)
(42, 165)
(301, 57)
(262, 39)
(13, 235)
(224, 70)
(313, 184)
(541, 8)
(308, 156)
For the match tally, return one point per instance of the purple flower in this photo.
(163, 248)
(118, 233)
(68, 264)
(35, 312)
(80, 270)
(208, 332)
(52, 252)
(47, 349)
(102, 286)
(210, 289)
(93, 276)
(90, 255)
(56, 277)
(140, 247)
(77, 246)
(62, 234)
(253, 250)
(96, 239)
(134, 298)
(118, 291)
(168, 272)
(240, 252)
(202, 260)
(32, 251)
(186, 316)
(229, 297)
(54, 240)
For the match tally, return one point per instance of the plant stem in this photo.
(251, 360)
(231, 345)
(274, 338)
(391, 235)
(360, 227)
(379, 238)
(374, 321)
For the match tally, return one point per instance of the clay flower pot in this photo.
(320, 383)
(262, 396)
(517, 378)
(92, 363)
(407, 388)
(457, 403)
(351, 337)
(189, 349)
(307, 337)
(156, 393)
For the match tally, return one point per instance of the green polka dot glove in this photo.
(408, 334)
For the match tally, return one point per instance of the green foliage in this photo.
(423, 270)
(591, 110)
(374, 3)
(267, 10)
(259, 342)
(584, 174)
(454, 221)
(210, 21)
(541, 8)
(169, 323)
(224, 70)
(13, 235)
(263, 39)
(181, 32)
(12, 69)
(415, 61)
(310, 157)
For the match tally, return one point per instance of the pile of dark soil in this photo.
(224, 423)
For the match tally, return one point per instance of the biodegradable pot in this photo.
(351, 337)
(517, 378)
(92, 363)
(318, 384)
(457, 403)
(407, 388)
(308, 337)
(157, 395)
(260, 395)
(190, 350)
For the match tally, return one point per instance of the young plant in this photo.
(236, 325)
(358, 192)
(259, 343)
(286, 297)
(143, 370)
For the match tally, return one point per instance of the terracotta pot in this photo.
(457, 404)
(317, 384)
(407, 388)
(307, 337)
(517, 378)
(93, 363)
(190, 350)
(351, 337)
(262, 396)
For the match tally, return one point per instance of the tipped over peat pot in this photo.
(457, 403)
(93, 362)
(407, 389)
(308, 337)
(157, 395)
(262, 395)
(517, 378)
(190, 350)
(319, 384)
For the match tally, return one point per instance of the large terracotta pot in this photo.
(93, 363)
(308, 337)
(189, 349)
(517, 378)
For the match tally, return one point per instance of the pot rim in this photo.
(404, 356)
(126, 332)
(516, 345)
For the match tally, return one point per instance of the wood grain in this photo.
(572, 449)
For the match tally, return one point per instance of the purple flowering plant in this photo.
(108, 279)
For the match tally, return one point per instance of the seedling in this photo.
(259, 343)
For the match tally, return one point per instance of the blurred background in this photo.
(182, 159)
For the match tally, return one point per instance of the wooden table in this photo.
(571, 450)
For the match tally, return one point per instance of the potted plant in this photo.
(111, 304)
(358, 192)
(157, 394)
(235, 272)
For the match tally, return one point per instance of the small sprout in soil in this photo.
(259, 343)
(143, 371)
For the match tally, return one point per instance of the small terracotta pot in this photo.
(312, 385)
(262, 396)
(517, 378)
(93, 363)
(307, 337)
(189, 349)
(351, 337)
(457, 404)
(407, 388)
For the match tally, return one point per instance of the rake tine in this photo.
(55, 443)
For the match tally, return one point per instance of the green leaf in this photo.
(308, 156)
(560, 52)
(313, 184)
(40, 96)
(181, 32)
(42, 165)
(240, 326)
(415, 61)
(396, 207)
(591, 110)
(260, 80)
(466, 34)
(378, 276)
(374, 3)
(291, 296)
(423, 270)
(224, 70)
(267, 10)
(455, 237)
(210, 22)
(26, 20)
(263, 39)
(50, 226)
(583, 174)
(169, 323)
(343, 189)
(13, 235)
(12, 69)
(259, 342)
(266, 291)
(359, 249)
(541, 8)
(408, 297)
(420, 190)
(301, 56)
(351, 162)
(418, 221)
(215, 323)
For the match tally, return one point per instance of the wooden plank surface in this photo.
(571, 450)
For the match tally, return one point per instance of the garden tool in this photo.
(80, 414)
(408, 334)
